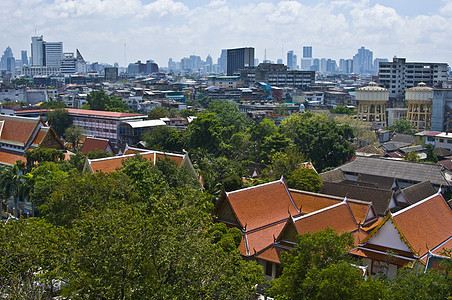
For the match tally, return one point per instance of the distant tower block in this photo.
(419, 101)
(372, 101)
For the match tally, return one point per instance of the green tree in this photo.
(305, 179)
(364, 135)
(41, 155)
(99, 100)
(313, 251)
(323, 142)
(283, 163)
(431, 156)
(13, 185)
(229, 115)
(32, 252)
(53, 104)
(412, 156)
(403, 126)
(281, 110)
(158, 112)
(164, 138)
(73, 135)
(204, 133)
(60, 120)
(342, 110)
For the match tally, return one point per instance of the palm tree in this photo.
(12, 184)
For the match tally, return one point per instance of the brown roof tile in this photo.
(425, 224)
(260, 239)
(262, 205)
(17, 130)
(7, 158)
(111, 164)
(92, 144)
(338, 217)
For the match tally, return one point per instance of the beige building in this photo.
(372, 101)
(419, 102)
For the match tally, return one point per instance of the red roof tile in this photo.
(40, 136)
(92, 144)
(262, 205)
(272, 253)
(310, 202)
(17, 130)
(9, 159)
(260, 239)
(425, 224)
(100, 113)
(338, 217)
(111, 164)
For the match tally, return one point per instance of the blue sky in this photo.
(160, 29)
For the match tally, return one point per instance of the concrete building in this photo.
(441, 110)
(37, 51)
(362, 61)
(394, 114)
(419, 101)
(307, 51)
(277, 75)
(372, 100)
(399, 75)
(53, 54)
(239, 58)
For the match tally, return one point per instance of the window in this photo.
(268, 268)
(449, 141)
(441, 140)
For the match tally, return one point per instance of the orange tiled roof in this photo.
(272, 253)
(40, 136)
(260, 239)
(262, 205)
(111, 164)
(134, 151)
(17, 129)
(92, 144)
(359, 211)
(338, 217)
(310, 202)
(425, 224)
(7, 158)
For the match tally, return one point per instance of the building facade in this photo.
(399, 75)
(239, 58)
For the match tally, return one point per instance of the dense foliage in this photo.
(99, 100)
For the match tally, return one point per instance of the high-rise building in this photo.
(71, 64)
(294, 62)
(37, 51)
(7, 60)
(362, 61)
(306, 64)
(278, 61)
(24, 58)
(377, 62)
(307, 51)
(223, 61)
(53, 54)
(239, 58)
(399, 75)
(290, 59)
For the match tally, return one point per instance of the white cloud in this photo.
(169, 28)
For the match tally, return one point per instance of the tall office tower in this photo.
(279, 61)
(315, 64)
(37, 51)
(294, 63)
(239, 58)
(323, 65)
(223, 61)
(290, 59)
(24, 58)
(256, 62)
(7, 60)
(54, 54)
(307, 52)
(363, 61)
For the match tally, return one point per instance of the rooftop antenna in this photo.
(125, 61)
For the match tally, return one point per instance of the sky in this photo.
(124, 31)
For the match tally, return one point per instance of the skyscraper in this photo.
(37, 51)
(223, 61)
(7, 60)
(363, 61)
(307, 51)
(239, 58)
(24, 58)
(290, 59)
(53, 53)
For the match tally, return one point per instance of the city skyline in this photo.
(164, 29)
